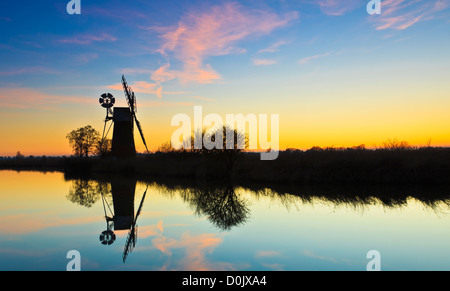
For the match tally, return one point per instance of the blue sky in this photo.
(312, 62)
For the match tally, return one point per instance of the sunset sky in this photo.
(336, 75)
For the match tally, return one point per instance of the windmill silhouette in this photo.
(121, 216)
(123, 119)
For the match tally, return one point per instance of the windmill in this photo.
(123, 118)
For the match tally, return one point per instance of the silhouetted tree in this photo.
(166, 147)
(103, 147)
(83, 140)
(220, 138)
(397, 145)
(19, 155)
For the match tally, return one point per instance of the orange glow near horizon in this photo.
(38, 123)
(54, 143)
(44, 133)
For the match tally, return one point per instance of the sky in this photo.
(336, 75)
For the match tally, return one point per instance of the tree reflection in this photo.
(223, 206)
(86, 192)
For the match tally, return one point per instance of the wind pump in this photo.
(123, 119)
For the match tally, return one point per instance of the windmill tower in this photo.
(123, 118)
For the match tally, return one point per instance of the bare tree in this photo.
(229, 140)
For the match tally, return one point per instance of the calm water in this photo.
(43, 217)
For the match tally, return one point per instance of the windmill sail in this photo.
(131, 100)
(132, 235)
(129, 94)
(140, 131)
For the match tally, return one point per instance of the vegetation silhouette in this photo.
(393, 163)
(83, 140)
(225, 208)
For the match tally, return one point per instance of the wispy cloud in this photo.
(261, 254)
(310, 58)
(319, 257)
(162, 103)
(263, 62)
(338, 7)
(196, 248)
(203, 98)
(135, 71)
(274, 47)
(25, 98)
(86, 58)
(87, 39)
(25, 223)
(215, 31)
(402, 14)
(28, 70)
(144, 87)
(140, 87)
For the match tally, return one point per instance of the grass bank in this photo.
(316, 166)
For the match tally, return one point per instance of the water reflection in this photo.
(224, 204)
(119, 193)
(221, 204)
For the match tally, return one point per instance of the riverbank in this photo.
(316, 166)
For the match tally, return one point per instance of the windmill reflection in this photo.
(119, 213)
(122, 216)
(223, 206)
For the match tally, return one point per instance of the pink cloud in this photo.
(144, 87)
(212, 32)
(263, 62)
(134, 71)
(140, 87)
(402, 14)
(202, 34)
(196, 249)
(24, 98)
(31, 223)
(310, 58)
(151, 230)
(28, 70)
(274, 47)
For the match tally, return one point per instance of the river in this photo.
(130, 224)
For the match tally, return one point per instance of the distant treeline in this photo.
(388, 165)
